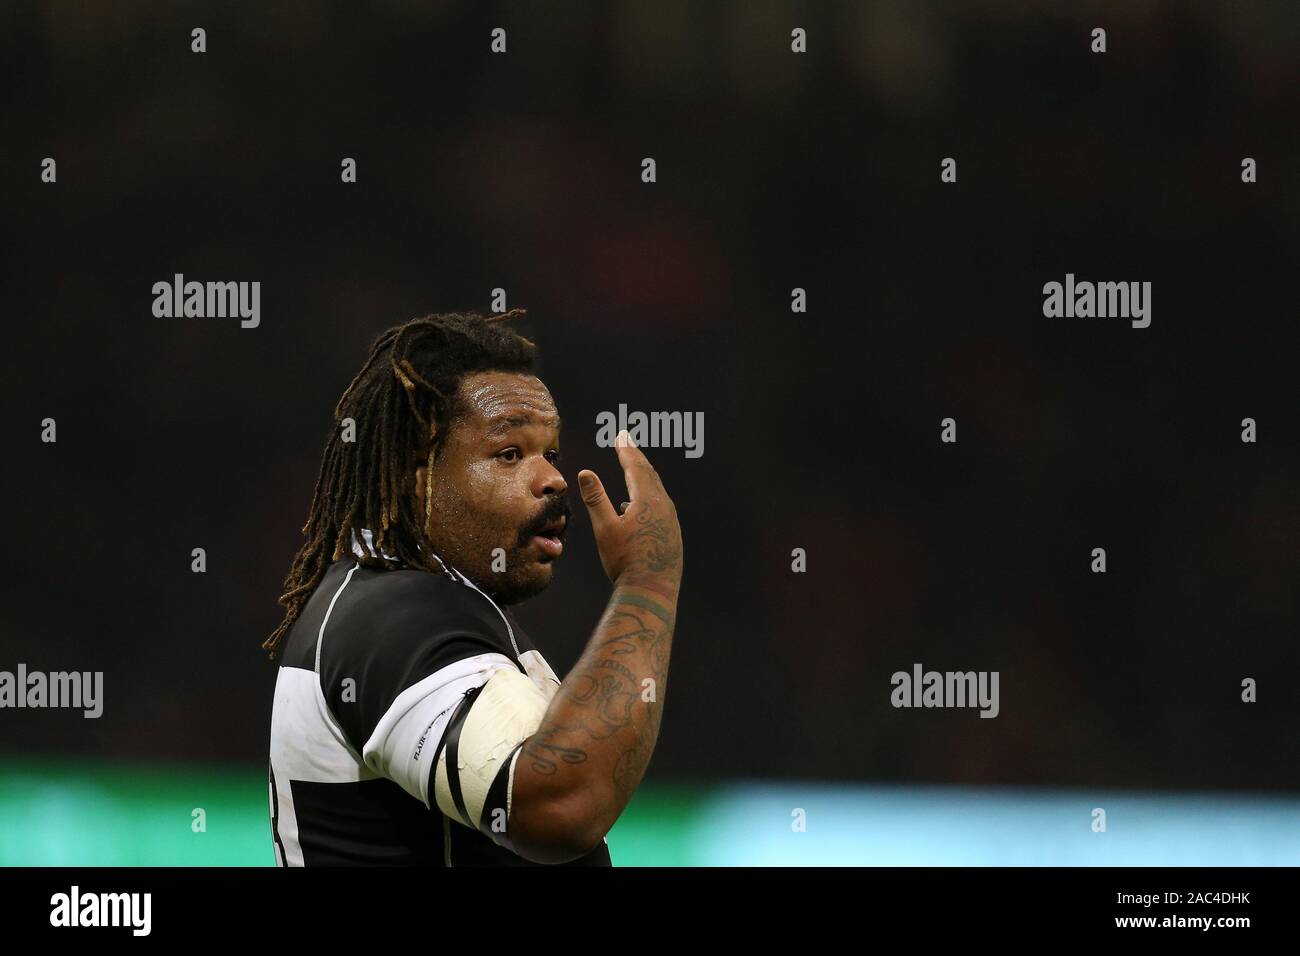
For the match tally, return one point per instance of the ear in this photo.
(421, 463)
(421, 472)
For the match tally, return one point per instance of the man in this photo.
(414, 722)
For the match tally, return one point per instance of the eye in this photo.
(510, 455)
(553, 457)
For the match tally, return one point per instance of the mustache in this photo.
(558, 507)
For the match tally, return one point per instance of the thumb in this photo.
(597, 502)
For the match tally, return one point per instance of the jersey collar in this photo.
(369, 538)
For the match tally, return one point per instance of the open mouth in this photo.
(550, 538)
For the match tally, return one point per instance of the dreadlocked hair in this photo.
(402, 404)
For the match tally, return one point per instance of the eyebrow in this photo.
(506, 422)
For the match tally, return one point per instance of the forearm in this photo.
(596, 738)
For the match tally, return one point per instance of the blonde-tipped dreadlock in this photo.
(401, 401)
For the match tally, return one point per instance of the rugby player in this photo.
(414, 722)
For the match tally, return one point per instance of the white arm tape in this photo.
(485, 731)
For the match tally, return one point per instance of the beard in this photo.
(499, 558)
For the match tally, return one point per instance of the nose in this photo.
(549, 481)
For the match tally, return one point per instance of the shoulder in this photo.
(390, 630)
(379, 613)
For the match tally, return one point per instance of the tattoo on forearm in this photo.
(654, 607)
(540, 752)
(603, 693)
(665, 554)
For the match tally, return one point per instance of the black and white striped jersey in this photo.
(369, 677)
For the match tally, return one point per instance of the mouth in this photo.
(550, 537)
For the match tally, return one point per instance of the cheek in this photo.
(482, 484)
(499, 496)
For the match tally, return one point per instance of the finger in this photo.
(622, 509)
(597, 502)
(637, 471)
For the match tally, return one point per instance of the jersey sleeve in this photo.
(396, 674)
(472, 773)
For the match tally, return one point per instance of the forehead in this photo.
(497, 401)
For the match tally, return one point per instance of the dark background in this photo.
(775, 170)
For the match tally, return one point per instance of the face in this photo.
(495, 485)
